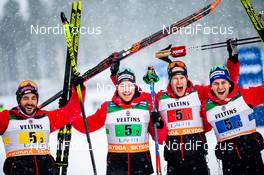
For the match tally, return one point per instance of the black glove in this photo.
(156, 119)
(114, 68)
(78, 81)
(232, 50)
(115, 64)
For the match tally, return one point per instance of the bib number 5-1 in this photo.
(179, 115)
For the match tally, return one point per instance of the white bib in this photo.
(127, 130)
(231, 120)
(182, 115)
(27, 136)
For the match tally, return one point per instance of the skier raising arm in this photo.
(228, 110)
(25, 131)
(180, 106)
(128, 121)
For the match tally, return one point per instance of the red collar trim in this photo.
(117, 100)
(17, 112)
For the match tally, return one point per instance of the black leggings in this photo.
(30, 165)
(190, 167)
(252, 164)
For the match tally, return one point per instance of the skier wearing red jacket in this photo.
(25, 131)
(228, 110)
(180, 107)
(128, 120)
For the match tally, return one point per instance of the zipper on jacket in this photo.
(128, 163)
(237, 151)
(36, 165)
(201, 137)
(182, 150)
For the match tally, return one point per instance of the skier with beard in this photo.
(180, 106)
(25, 131)
(128, 120)
(228, 110)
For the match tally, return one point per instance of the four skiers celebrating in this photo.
(185, 113)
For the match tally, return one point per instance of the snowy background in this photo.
(110, 26)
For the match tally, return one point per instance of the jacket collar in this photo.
(136, 100)
(18, 112)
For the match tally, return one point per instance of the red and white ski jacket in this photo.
(57, 118)
(98, 119)
(252, 96)
(202, 90)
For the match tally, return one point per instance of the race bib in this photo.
(178, 115)
(132, 130)
(229, 124)
(31, 137)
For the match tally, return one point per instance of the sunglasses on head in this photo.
(219, 67)
(28, 83)
(176, 64)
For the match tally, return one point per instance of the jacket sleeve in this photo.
(207, 126)
(234, 69)
(65, 115)
(203, 91)
(253, 95)
(162, 132)
(157, 99)
(95, 121)
(114, 79)
(4, 121)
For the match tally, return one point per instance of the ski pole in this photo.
(75, 72)
(242, 43)
(224, 44)
(151, 78)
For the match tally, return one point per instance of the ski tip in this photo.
(63, 17)
(80, 5)
(215, 4)
(74, 5)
